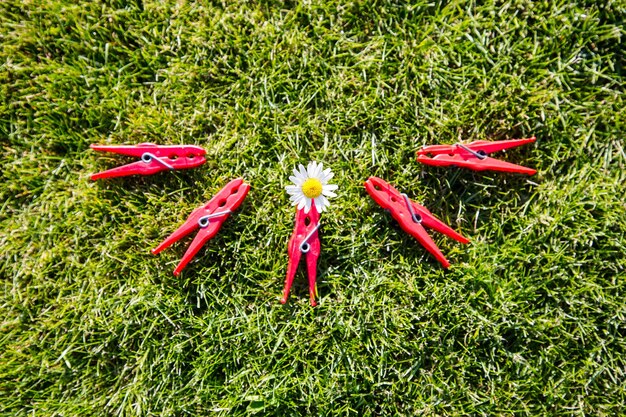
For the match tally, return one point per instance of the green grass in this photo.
(529, 320)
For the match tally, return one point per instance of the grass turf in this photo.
(530, 318)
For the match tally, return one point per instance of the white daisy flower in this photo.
(311, 185)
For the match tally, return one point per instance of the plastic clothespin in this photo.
(304, 240)
(474, 155)
(208, 218)
(154, 158)
(411, 216)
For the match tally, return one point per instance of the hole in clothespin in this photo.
(307, 221)
(173, 157)
(222, 203)
(191, 156)
(235, 190)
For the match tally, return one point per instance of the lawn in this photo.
(530, 318)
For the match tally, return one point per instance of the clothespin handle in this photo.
(208, 218)
(411, 217)
(169, 151)
(304, 240)
(154, 158)
(482, 146)
(474, 155)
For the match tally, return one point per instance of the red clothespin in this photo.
(411, 216)
(208, 219)
(154, 158)
(474, 155)
(304, 240)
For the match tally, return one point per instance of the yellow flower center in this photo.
(312, 188)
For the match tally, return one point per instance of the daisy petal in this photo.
(325, 202)
(303, 173)
(296, 173)
(300, 203)
(319, 204)
(307, 205)
(292, 189)
(328, 174)
(318, 170)
(331, 187)
(327, 192)
(297, 181)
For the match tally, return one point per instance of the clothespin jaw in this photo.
(208, 218)
(411, 216)
(154, 158)
(474, 155)
(304, 241)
